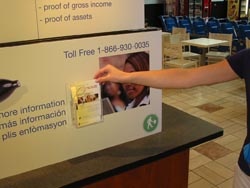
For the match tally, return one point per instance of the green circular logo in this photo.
(150, 122)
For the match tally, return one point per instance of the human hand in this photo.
(110, 74)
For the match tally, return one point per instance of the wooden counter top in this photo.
(181, 131)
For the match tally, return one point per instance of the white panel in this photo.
(37, 19)
(44, 71)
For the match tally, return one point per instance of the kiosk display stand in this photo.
(51, 109)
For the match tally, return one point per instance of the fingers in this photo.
(101, 76)
(100, 79)
(102, 72)
(107, 73)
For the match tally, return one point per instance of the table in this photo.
(204, 44)
(159, 160)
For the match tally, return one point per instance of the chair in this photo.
(243, 21)
(228, 28)
(244, 31)
(168, 22)
(165, 42)
(219, 53)
(223, 20)
(178, 30)
(199, 27)
(186, 23)
(186, 52)
(236, 24)
(247, 42)
(176, 39)
(213, 26)
(173, 57)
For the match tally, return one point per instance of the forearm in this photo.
(167, 78)
(170, 78)
(183, 78)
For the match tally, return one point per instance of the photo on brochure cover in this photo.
(118, 97)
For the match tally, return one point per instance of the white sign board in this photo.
(36, 121)
(37, 19)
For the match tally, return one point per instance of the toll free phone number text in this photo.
(123, 47)
(68, 54)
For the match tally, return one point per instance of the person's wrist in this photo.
(129, 77)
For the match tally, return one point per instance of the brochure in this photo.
(86, 103)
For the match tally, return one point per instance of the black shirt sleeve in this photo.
(240, 63)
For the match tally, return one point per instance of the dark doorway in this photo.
(219, 9)
(152, 13)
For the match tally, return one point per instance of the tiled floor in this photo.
(212, 163)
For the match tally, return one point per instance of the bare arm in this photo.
(170, 78)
